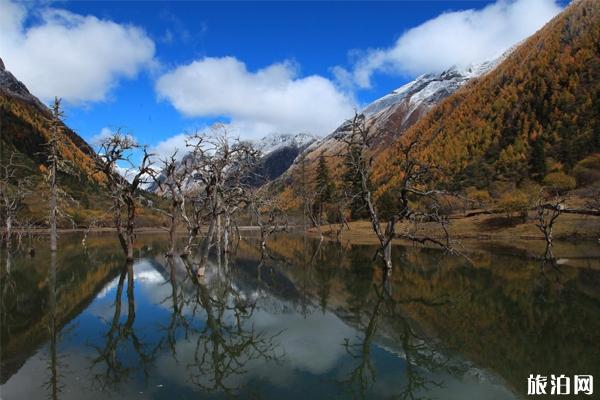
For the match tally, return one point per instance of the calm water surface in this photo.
(305, 320)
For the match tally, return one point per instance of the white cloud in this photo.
(101, 136)
(78, 58)
(272, 99)
(458, 38)
(167, 147)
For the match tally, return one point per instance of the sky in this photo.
(161, 70)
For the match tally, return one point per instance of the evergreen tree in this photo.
(324, 187)
(538, 159)
(352, 184)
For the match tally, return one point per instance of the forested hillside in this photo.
(25, 129)
(536, 116)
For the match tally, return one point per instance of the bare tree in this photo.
(12, 193)
(221, 167)
(547, 212)
(53, 162)
(415, 177)
(267, 214)
(171, 183)
(118, 148)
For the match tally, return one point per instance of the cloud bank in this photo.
(458, 38)
(272, 99)
(78, 58)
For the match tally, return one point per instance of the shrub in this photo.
(480, 198)
(559, 182)
(587, 171)
(513, 202)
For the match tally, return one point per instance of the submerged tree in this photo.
(415, 177)
(547, 213)
(221, 166)
(267, 214)
(12, 193)
(171, 184)
(118, 148)
(53, 161)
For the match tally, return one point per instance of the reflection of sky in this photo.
(312, 356)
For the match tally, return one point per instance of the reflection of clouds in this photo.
(147, 280)
(310, 344)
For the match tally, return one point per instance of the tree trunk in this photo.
(8, 230)
(53, 235)
(172, 234)
(206, 243)
(226, 233)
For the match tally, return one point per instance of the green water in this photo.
(305, 320)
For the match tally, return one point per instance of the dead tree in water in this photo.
(12, 192)
(53, 162)
(267, 214)
(415, 177)
(220, 165)
(171, 183)
(116, 149)
(547, 214)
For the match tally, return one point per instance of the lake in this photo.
(301, 320)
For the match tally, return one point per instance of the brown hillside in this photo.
(538, 112)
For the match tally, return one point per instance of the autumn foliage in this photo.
(540, 106)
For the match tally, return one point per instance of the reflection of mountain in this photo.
(25, 313)
(321, 306)
(504, 314)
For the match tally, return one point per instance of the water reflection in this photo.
(53, 385)
(110, 367)
(299, 318)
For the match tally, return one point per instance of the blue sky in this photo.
(159, 69)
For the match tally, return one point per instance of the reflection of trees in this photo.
(178, 319)
(53, 385)
(227, 344)
(119, 336)
(421, 359)
(549, 273)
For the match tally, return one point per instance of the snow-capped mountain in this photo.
(14, 88)
(278, 151)
(400, 109)
(277, 141)
(394, 113)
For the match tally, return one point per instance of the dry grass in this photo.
(495, 227)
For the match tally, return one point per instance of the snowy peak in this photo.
(15, 88)
(277, 141)
(429, 89)
(278, 151)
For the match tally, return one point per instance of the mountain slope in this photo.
(388, 117)
(25, 124)
(386, 120)
(25, 128)
(537, 112)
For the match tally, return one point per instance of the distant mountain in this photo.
(278, 151)
(536, 113)
(390, 116)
